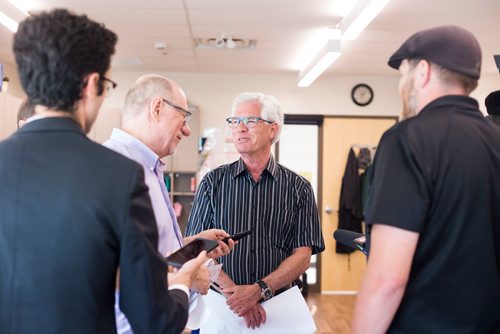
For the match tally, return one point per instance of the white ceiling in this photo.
(283, 30)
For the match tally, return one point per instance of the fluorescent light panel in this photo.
(341, 7)
(326, 57)
(361, 15)
(23, 5)
(314, 46)
(8, 22)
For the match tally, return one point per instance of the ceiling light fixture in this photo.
(8, 22)
(219, 42)
(360, 16)
(225, 41)
(230, 43)
(327, 55)
(23, 5)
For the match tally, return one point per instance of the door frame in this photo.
(300, 119)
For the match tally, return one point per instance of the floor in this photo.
(333, 312)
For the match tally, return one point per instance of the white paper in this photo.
(214, 271)
(199, 313)
(285, 313)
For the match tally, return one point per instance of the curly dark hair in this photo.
(25, 111)
(54, 53)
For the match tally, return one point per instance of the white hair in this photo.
(270, 108)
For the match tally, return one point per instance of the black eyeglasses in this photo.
(249, 122)
(186, 113)
(109, 85)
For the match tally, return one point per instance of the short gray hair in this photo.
(270, 108)
(142, 91)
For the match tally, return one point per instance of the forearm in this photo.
(290, 269)
(385, 279)
(376, 305)
(224, 280)
(187, 240)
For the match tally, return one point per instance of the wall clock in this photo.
(362, 94)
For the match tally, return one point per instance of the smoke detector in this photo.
(160, 46)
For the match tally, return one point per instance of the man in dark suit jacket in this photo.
(72, 211)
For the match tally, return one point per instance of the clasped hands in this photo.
(243, 300)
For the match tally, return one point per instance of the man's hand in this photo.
(255, 317)
(242, 298)
(222, 249)
(201, 280)
(217, 235)
(186, 274)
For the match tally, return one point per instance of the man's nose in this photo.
(242, 127)
(186, 131)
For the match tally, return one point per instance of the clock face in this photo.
(362, 95)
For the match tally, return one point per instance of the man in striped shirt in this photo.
(256, 193)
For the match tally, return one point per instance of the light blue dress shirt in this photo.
(169, 233)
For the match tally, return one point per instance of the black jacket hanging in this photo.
(350, 210)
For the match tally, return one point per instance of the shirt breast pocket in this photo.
(281, 229)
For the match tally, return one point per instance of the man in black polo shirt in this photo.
(492, 103)
(433, 216)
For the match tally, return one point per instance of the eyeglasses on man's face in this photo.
(109, 85)
(186, 113)
(249, 122)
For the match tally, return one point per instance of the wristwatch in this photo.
(265, 291)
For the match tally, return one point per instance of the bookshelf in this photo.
(182, 189)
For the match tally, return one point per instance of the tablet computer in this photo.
(190, 251)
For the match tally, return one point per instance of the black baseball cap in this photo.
(450, 47)
(492, 103)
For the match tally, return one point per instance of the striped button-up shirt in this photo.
(279, 209)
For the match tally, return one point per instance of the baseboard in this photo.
(339, 292)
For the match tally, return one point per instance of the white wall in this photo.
(8, 114)
(15, 88)
(213, 94)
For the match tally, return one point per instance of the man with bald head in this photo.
(155, 118)
(433, 213)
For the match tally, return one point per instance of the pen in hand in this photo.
(216, 287)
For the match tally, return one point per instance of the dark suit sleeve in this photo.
(144, 297)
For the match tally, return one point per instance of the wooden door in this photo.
(341, 272)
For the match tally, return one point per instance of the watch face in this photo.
(267, 294)
(362, 94)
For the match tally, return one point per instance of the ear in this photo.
(274, 130)
(91, 87)
(423, 73)
(155, 108)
